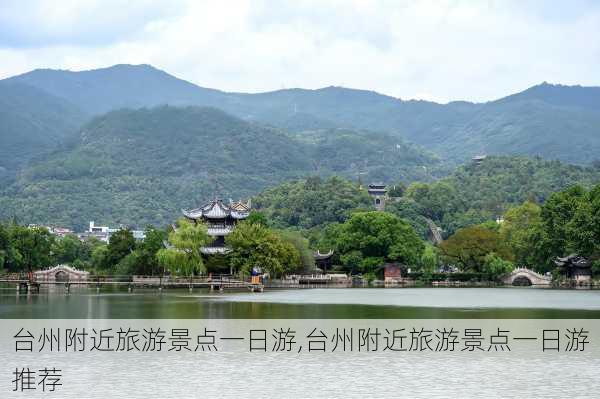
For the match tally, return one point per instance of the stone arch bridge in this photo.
(60, 273)
(524, 276)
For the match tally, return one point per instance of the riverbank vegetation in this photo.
(494, 216)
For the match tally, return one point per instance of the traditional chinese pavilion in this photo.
(323, 261)
(379, 192)
(220, 219)
(575, 267)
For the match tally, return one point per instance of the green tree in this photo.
(184, 257)
(397, 190)
(495, 266)
(147, 263)
(99, 259)
(311, 202)
(69, 248)
(130, 264)
(407, 209)
(257, 217)
(256, 246)
(300, 243)
(32, 248)
(5, 247)
(435, 200)
(429, 261)
(468, 247)
(120, 245)
(451, 222)
(378, 236)
(352, 260)
(556, 215)
(519, 232)
(583, 230)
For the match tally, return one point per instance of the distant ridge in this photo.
(150, 163)
(552, 121)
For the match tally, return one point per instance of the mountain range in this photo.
(111, 141)
(552, 121)
(142, 166)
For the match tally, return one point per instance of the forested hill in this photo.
(142, 166)
(476, 193)
(552, 121)
(121, 86)
(473, 194)
(31, 122)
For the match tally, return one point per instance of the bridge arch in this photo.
(61, 276)
(522, 281)
(524, 276)
(61, 273)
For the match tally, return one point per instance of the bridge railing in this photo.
(529, 271)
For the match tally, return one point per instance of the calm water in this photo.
(343, 303)
(525, 371)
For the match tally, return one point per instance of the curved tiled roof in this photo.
(318, 255)
(216, 209)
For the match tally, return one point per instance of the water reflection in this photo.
(410, 303)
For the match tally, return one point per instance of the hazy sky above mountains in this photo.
(437, 50)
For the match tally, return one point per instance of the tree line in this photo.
(335, 214)
(174, 250)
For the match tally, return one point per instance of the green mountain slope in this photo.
(31, 123)
(120, 86)
(553, 121)
(475, 193)
(311, 202)
(523, 127)
(142, 166)
(560, 95)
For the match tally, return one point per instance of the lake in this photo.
(322, 303)
(234, 371)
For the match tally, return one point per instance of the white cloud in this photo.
(441, 50)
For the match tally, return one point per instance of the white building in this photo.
(103, 233)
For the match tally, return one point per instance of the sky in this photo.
(440, 50)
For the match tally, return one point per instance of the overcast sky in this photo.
(437, 50)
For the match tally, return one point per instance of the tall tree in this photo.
(154, 242)
(5, 246)
(584, 227)
(184, 257)
(69, 248)
(256, 246)
(120, 245)
(31, 248)
(468, 247)
(307, 258)
(556, 214)
(519, 232)
(373, 237)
